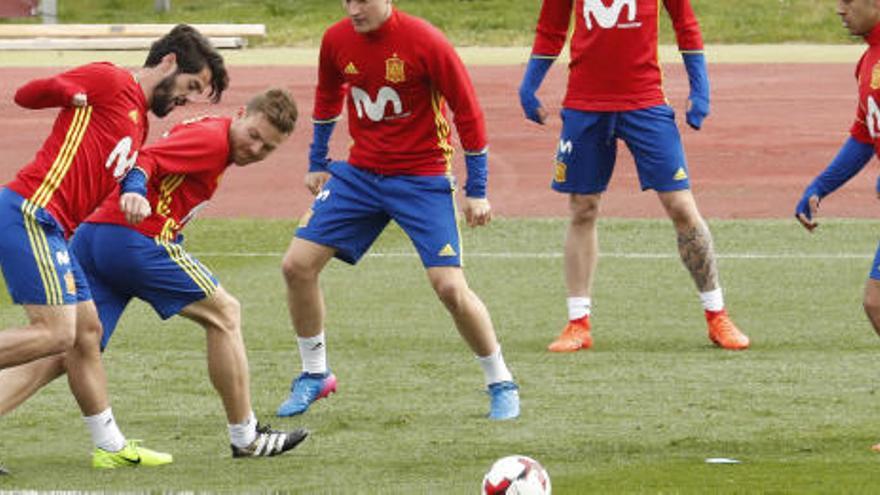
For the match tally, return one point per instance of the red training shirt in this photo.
(90, 148)
(184, 169)
(397, 80)
(866, 128)
(614, 60)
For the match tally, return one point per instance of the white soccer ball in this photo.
(516, 475)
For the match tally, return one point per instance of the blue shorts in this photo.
(36, 263)
(121, 263)
(875, 268)
(356, 205)
(588, 149)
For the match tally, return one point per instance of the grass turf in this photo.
(637, 414)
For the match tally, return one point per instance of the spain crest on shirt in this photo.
(394, 70)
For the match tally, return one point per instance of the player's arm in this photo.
(329, 98)
(451, 79)
(57, 91)
(690, 44)
(133, 198)
(850, 160)
(550, 36)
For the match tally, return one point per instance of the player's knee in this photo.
(228, 312)
(297, 271)
(453, 293)
(58, 336)
(584, 210)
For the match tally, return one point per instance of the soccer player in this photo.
(861, 18)
(614, 92)
(94, 143)
(147, 261)
(397, 73)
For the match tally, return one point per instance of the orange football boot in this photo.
(724, 333)
(574, 337)
(876, 448)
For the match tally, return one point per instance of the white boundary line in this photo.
(557, 255)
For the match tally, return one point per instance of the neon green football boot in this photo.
(132, 455)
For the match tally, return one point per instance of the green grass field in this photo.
(470, 22)
(637, 414)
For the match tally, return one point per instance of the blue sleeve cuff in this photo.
(135, 181)
(850, 160)
(536, 70)
(320, 146)
(477, 173)
(698, 76)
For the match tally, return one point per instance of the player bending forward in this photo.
(172, 179)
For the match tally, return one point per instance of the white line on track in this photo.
(556, 255)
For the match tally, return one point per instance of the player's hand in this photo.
(315, 181)
(477, 211)
(531, 106)
(807, 208)
(79, 100)
(698, 110)
(135, 207)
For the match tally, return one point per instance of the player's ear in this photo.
(168, 65)
(240, 113)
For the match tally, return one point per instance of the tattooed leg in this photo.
(694, 239)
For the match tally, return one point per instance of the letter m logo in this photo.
(608, 17)
(375, 110)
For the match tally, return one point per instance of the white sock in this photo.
(313, 352)
(243, 434)
(712, 300)
(578, 307)
(494, 368)
(105, 432)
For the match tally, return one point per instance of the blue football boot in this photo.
(503, 400)
(307, 388)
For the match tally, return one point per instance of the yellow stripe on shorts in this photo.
(42, 255)
(198, 273)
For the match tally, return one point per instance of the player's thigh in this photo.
(92, 248)
(586, 152)
(33, 254)
(348, 214)
(130, 264)
(424, 207)
(655, 142)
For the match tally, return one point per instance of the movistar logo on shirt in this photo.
(375, 109)
(609, 17)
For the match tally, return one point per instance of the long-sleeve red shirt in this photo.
(184, 168)
(614, 60)
(398, 80)
(866, 127)
(90, 148)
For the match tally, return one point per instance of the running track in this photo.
(772, 128)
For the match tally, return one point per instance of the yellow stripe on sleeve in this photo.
(65, 157)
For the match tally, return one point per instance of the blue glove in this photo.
(698, 100)
(320, 146)
(135, 181)
(852, 158)
(477, 174)
(535, 71)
